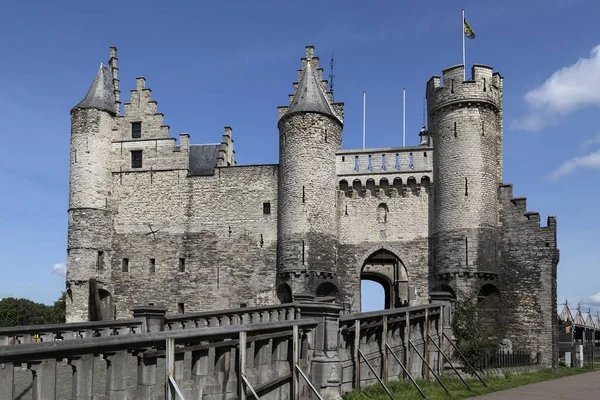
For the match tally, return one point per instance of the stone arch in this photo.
(327, 289)
(487, 291)
(397, 184)
(357, 185)
(284, 293)
(344, 185)
(370, 185)
(385, 267)
(445, 288)
(425, 182)
(411, 183)
(100, 306)
(384, 184)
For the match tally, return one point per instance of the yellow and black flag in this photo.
(468, 30)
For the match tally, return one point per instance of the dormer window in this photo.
(136, 130)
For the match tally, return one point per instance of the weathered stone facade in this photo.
(153, 220)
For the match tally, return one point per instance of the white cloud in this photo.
(591, 161)
(60, 269)
(591, 301)
(565, 91)
(591, 142)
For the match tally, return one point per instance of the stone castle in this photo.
(160, 221)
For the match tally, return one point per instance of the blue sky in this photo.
(212, 64)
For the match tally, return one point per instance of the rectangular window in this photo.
(136, 130)
(136, 158)
(267, 208)
(100, 261)
(182, 265)
(125, 265)
(152, 265)
(356, 163)
(180, 308)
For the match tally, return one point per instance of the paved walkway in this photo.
(579, 387)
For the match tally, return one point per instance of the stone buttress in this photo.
(310, 134)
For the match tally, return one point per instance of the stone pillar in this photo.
(116, 375)
(83, 376)
(153, 317)
(326, 366)
(146, 378)
(44, 379)
(7, 386)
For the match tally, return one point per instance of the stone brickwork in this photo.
(153, 219)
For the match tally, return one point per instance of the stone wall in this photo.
(215, 223)
(528, 271)
(396, 223)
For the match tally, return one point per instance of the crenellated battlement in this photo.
(513, 213)
(483, 87)
(385, 188)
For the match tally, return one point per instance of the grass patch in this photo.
(433, 390)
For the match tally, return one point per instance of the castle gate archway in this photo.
(386, 269)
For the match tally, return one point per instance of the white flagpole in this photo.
(364, 117)
(462, 33)
(404, 117)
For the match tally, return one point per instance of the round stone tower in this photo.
(310, 134)
(465, 123)
(90, 183)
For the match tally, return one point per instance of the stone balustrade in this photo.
(249, 315)
(210, 355)
(76, 330)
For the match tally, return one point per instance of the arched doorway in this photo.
(385, 269)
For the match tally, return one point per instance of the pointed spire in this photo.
(101, 94)
(309, 96)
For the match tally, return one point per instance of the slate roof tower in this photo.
(90, 182)
(310, 134)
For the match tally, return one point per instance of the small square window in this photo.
(136, 130)
(152, 265)
(267, 208)
(182, 265)
(243, 305)
(125, 265)
(136, 159)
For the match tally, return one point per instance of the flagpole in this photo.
(404, 117)
(364, 117)
(462, 33)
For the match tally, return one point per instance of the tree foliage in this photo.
(14, 312)
(476, 326)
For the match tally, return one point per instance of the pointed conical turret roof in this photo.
(309, 96)
(101, 94)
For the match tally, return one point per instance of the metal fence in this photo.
(501, 359)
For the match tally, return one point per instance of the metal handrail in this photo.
(464, 358)
(406, 371)
(375, 373)
(176, 388)
(250, 386)
(449, 362)
(427, 364)
(170, 371)
(308, 381)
